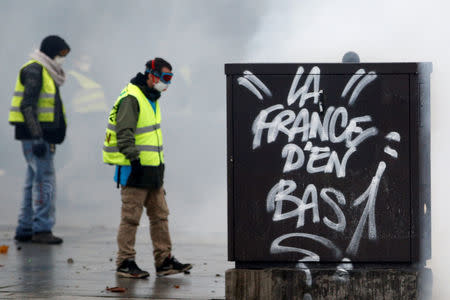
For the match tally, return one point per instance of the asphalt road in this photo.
(42, 271)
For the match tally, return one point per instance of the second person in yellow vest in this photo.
(134, 144)
(38, 114)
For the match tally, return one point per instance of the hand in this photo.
(39, 148)
(137, 169)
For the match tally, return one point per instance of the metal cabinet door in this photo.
(322, 208)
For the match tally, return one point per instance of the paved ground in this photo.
(41, 271)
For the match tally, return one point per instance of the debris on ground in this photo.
(116, 289)
(2, 266)
(70, 260)
(176, 286)
(205, 264)
(218, 275)
(19, 248)
(4, 249)
(110, 259)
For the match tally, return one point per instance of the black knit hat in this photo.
(52, 45)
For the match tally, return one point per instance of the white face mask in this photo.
(161, 87)
(59, 59)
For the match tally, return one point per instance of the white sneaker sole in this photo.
(128, 275)
(173, 271)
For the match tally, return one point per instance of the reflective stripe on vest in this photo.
(139, 147)
(39, 110)
(138, 130)
(46, 101)
(41, 95)
(148, 136)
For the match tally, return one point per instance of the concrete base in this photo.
(326, 283)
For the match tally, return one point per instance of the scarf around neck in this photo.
(55, 70)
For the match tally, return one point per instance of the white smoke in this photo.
(379, 31)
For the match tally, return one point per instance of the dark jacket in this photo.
(53, 133)
(127, 118)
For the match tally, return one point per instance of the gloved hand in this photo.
(39, 148)
(137, 170)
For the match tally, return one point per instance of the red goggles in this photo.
(165, 77)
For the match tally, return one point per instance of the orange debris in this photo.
(4, 249)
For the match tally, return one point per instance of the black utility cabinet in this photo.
(328, 163)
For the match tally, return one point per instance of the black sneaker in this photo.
(23, 237)
(129, 269)
(46, 238)
(172, 266)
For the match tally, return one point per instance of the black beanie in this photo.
(52, 45)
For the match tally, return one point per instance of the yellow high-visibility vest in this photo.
(148, 135)
(46, 101)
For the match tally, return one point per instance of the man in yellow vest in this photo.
(37, 113)
(134, 144)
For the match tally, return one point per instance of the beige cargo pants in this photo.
(133, 202)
